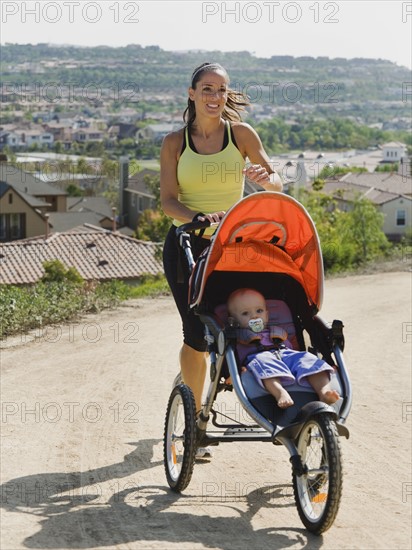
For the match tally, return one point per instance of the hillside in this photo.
(371, 89)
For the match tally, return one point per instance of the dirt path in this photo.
(82, 425)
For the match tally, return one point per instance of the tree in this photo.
(74, 190)
(334, 170)
(347, 238)
(110, 170)
(323, 210)
(153, 225)
(363, 227)
(83, 166)
(58, 147)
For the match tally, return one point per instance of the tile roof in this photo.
(384, 181)
(96, 254)
(350, 191)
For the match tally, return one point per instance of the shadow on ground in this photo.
(74, 511)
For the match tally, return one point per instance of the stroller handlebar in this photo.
(192, 226)
(183, 238)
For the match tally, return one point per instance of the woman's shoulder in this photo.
(242, 128)
(244, 135)
(242, 131)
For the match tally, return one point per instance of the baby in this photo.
(275, 368)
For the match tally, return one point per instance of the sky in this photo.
(345, 28)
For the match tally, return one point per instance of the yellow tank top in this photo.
(210, 183)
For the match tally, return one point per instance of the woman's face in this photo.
(210, 93)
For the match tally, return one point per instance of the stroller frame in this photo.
(317, 487)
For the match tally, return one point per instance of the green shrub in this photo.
(56, 271)
(64, 297)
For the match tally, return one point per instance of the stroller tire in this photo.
(318, 490)
(179, 449)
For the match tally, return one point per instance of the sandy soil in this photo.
(83, 409)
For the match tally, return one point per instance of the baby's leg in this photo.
(282, 397)
(320, 382)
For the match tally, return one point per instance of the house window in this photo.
(16, 226)
(10, 198)
(2, 227)
(401, 217)
(12, 227)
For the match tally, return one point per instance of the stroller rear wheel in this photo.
(318, 490)
(180, 437)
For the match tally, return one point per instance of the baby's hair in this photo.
(236, 101)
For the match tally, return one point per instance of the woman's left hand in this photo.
(257, 173)
(260, 175)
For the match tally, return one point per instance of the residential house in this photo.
(24, 136)
(30, 207)
(385, 181)
(21, 215)
(98, 206)
(122, 130)
(66, 221)
(10, 138)
(394, 151)
(389, 199)
(87, 135)
(26, 204)
(62, 131)
(156, 132)
(97, 254)
(24, 182)
(36, 137)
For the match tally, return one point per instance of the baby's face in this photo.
(249, 306)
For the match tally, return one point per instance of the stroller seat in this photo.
(279, 315)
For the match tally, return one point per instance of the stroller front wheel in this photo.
(318, 490)
(180, 438)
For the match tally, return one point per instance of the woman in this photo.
(202, 169)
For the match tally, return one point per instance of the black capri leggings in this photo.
(193, 328)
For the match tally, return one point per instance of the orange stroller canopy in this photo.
(267, 232)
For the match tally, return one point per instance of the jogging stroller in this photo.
(267, 241)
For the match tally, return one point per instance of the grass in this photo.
(55, 301)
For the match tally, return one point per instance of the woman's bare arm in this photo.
(260, 171)
(169, 187)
